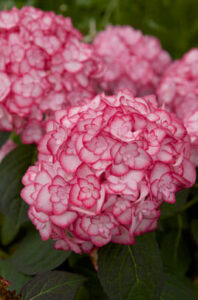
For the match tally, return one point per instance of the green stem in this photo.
(109, 10)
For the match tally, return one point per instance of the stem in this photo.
(92, 31)
(109, 10)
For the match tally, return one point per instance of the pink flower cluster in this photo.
(44, 66)
(103, 171)
(105, 166)
(178, 92)
(133, 60)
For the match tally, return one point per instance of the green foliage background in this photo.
(144, 271)
(174, 22)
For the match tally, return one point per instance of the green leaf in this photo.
(12, 169)
(35, 255)
(131, 272)
(196, 261)
(194, 230)
(8, 230)
(3, 254)
(3, 137)
(8, 271)
(175, 289)
(169, 209)
(175, 253)
(95, 289)
(82, 294)
(81, 264)
(195, 287)
(54, 285)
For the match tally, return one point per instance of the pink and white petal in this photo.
(65, 219)
(124, 237)
(100, 241)
(27, 194)
(70, 162)
(45, 231)
(42, 202)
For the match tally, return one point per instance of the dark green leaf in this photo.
(9, 231)
(175, 289)
(54, 285)
(12, 169)
(196, 261)
(75, 261)
(175, 254)
(195, 288)
(3, 137)
(82, 264)
(168, 209)
(35, 255)
(83, 294)
(131, 272)
(194, 230)
(16, 278)
(95, 289)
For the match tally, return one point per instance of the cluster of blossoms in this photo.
(178, 92)
(44, 66)
(104, 169)
(133, 60)
(105, 165)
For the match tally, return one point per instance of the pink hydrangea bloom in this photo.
(104, 169)
(178, 92)
(44, 66)
(133, 60)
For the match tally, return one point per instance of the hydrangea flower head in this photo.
(178, 92)
(44, 66)
(133, 60)
(103, 171)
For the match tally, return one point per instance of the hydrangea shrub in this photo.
(103, 171)
(108, 165)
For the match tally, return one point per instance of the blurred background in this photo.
(174, 22)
